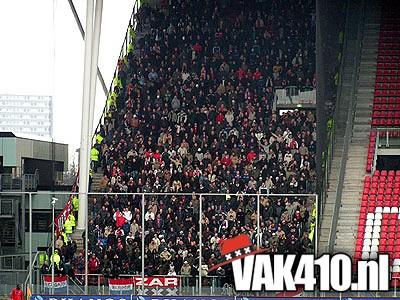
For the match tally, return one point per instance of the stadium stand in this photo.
(192, 111)
(378, 221)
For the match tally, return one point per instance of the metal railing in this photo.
(348, 132)
(33, 267)
(28, 182)
(330, 149)
(187, 286)
(12, 262)
(60, 219)
(8, 280)
(294, 96)
(255, 230)
(124, 49)
(387, 138)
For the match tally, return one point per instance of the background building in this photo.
(27, 114)
(28, 165)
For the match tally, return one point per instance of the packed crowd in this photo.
(192, 112)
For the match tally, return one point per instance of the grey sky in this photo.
(31, 46)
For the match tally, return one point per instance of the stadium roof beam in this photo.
(82, 31)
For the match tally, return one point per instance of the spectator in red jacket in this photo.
(240, 73)
(220, 118)
(197, 47)
(257, 74)
(119, 218)
(17, 293)
(251, 156)
(94, 264)
(226, 160)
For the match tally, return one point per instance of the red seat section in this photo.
(386, 108)
(379, 219)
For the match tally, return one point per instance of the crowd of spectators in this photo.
(192, 112)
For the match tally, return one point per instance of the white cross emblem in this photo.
(228, 256)
(238, 253)
(247, 250)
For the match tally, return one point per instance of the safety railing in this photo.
(187, 285)
(60, 219)
(386, 138)
(28, 182)
(349, 130)
(12, 262)
(254, 223)
(329, 151)
(294, 96)
(132, 25)
(214, 287)
(33, 272)
(31, 181)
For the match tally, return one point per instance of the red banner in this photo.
(62, 217)
(149, 281)
(159, 282)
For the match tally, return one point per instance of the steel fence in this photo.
(200, 283)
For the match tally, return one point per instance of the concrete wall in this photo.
(8, 151)
(13, 149)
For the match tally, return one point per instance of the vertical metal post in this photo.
(387, 138)
(316, 226)
(377, 141)
(85, 139)
(30, 240)
(143, 224)
(53, 243)
(86, 242)
(38, 283)
(98, 284)
(200, 240)
(258, 222)
(23, 215)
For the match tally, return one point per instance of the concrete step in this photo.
(77, 237)
(357, 151)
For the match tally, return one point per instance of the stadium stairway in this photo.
(347, 225)
(358, 149)
(338, 150)
(345, 97)
(77, 235)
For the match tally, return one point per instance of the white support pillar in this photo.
(80, 27)
(95, 59)
(92, 97)
(84, 150)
